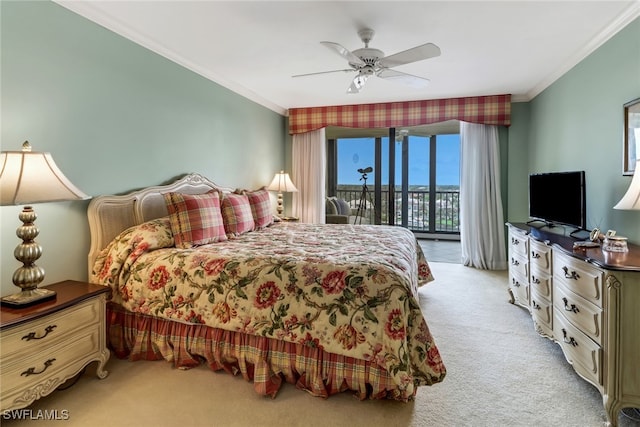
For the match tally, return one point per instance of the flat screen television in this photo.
(558, 198)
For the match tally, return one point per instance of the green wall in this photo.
(115, 117)
(577, 124)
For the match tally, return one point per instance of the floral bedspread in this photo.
(350, 290)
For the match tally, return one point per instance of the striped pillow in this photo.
(261, 207)
(195, 218)
(236, 214)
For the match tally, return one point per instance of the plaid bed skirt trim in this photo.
(262, 360)
(487, 110)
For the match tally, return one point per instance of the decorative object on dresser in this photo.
(31, 177)
(44, 345)
(586, 300)
(282, 184)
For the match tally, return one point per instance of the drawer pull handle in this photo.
(573, 275)
(535, 305)
(514, 262)
(32, 371)
(515, 241)
(535, 255)
(568, 340)
(515, 283)
(535, 280)
(573, 307)
(32, 335)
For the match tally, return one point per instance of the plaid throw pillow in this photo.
(236, 213)
(261, 208)
(195, 219)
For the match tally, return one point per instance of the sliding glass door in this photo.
(404, 178)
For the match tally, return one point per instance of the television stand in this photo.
(586, 300)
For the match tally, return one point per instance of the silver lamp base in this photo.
(28, 297)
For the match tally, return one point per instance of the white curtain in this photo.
(481, 217)
(309, 167)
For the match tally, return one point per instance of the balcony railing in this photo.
(445, 217)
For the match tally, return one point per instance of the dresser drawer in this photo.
(518, 244)
(579, 277)
(540, 256)
(520, 289)
(49, 368)
(541, 282)
(519, 267)
(581, 313)
(580, 350)
(32, 336)
(542, 312)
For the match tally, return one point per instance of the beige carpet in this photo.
(500, 373)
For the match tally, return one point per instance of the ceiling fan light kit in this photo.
(368, 62)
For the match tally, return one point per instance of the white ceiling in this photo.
(254, 47)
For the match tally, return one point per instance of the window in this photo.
(415, 181)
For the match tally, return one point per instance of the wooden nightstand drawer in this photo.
(45, 368)
(45, 331)
(43, 345)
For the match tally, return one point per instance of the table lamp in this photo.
(31, 177)
(282, 184)
(631, 199)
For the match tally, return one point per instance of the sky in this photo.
(358, 153)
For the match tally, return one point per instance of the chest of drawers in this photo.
(44, 345)
(588, 301)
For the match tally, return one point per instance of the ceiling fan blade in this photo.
(348, 70)
(407, 79)
(342, 51)
(358, 83)
(418, 53)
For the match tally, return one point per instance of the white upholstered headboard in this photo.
(110, 215)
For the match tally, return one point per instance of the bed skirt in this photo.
(265, 361)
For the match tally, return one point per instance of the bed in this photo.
(329, 308)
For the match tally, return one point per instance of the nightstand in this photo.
(44, 345)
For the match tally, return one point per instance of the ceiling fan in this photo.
(368, 62)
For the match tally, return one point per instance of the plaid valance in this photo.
(488, 110)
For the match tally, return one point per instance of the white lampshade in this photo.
(282, 183)
(631, 199)
(33, 177)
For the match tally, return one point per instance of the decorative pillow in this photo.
(236, 214)
(343, 207)
(261, 208)
(195, 218)
(330, 207)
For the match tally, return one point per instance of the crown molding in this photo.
(88, 11)
(631, 13)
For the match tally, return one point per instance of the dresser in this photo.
(586, 300)
(46, 344)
